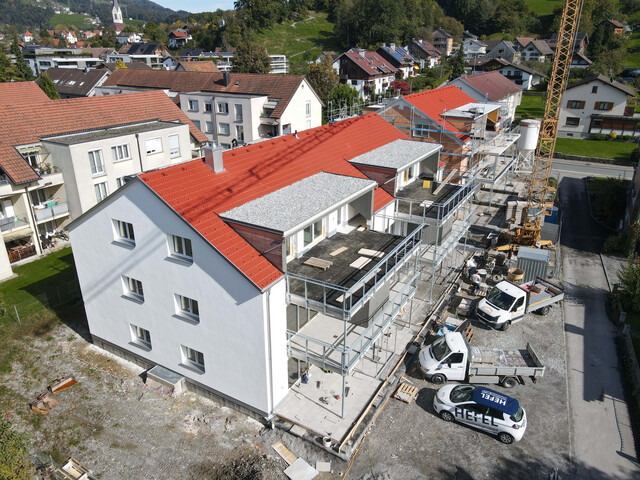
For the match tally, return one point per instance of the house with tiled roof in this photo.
(579, 60)
(532, 50)
(55, 166)
(525, 77)
(73, 82)
(597, 104)
(128, 37)
(15, 93)
(616, 26)
(366, 72)
(502, 49)
(237, 273)
(425, 52)
(177, 38)
(197, 66)
(231, 108)
(473, 48)
(27, 37)
(579, 45)
(443, 41)
(400, 58)
(493, 87)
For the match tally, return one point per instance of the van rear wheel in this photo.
(438, 379)
(504, 437)
(544, 310)
(509, 382)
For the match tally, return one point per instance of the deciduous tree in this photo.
(251, 57)
(323, 78)
(14, 462)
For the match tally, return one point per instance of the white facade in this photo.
(239, 330)
(580, 102)
(42, 63)
(473, 48)
(522, 78)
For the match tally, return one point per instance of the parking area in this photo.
(411, 441)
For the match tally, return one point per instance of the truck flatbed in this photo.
(495, 362)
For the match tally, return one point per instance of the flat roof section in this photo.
(109, 132)
(397, 155)
(298, 203)
(471, 110)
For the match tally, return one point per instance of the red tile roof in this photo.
(372, 63)
(281, 87)
(434, 103)
(12, 93)
(199, 195)
(493, 85)
(26, 123)
(177, 34)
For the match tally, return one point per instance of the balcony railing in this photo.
(50, 211)
(436, 211)
(8, 224)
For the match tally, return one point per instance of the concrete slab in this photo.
(323, 467)
(301, 470)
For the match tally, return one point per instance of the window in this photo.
(572, 121)
(196, 123)
(223, 129)
(120, 152)
(594, 89)
(312, 233)
(456, 357)
(39, 197)
(180, 247)
(96, 163)
(307, 125)
(223, 108)
(307, 108)
(421, 130)
(238, 111)
(193, 105)
(140, 335)
(120, 181)
(186, 306)
(209, 127)
(597, 122)
(226, 145)
(604, 105)
(101, 191)
(240, 133)
(124, 231)
(154, 145)
(207, 106)
(193, 357)
(174, 146)
(31, 158)
(575, 104)
(133, 288)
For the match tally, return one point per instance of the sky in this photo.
(196, 6)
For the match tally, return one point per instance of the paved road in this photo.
(575, 169)
(602, 444)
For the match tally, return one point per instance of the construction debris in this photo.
(47, 400)
(74, 470)
(284, 452)
(405, 392)
(300, 470)
(60, 384)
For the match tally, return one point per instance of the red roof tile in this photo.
(434, 103)
(26, 123)
(12, 93)
(198, 194)
(372, 63)
(492, 84)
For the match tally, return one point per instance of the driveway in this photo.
(602, 442)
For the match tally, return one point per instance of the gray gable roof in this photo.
(76, 82)
(612, 83)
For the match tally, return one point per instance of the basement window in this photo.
(140, 336)
(572, 121)
(192, 358)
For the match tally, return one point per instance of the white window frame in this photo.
(221, 129)
(155, 149)
(180, 246)
(124, 232)
(120, 181)
(174, 150)
(208, 126)
(193, 105)
(223, 108)
(187, 307)
(421, 130)
(132, 288)
(315, 237)
(307, 108)
(140, 335)
(237, 112)
(96, 162)
(102, 191)
(192, 357)
(119, 154)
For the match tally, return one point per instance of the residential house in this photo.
(473, 48)
(525, 77)
(493, 87)
(73, 83)
(597, 104)
(579, 45)
(366, 72)
(153, 54)
(400, 58)
(614, 25)
(207, 267)
(426, 53)
(330, 56)
(177, 38)
(579, 60)
(41, 58)
(197, 66)
(56, 167)
(534, 50)
(230, 108)
(502, 49)
(111, 66)
(27, 37)
(189, 53)
(128, 37)
(443, 41)
(279, 64)
(69, 36)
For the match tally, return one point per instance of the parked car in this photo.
(482, 408)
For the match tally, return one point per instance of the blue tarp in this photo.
(497, 400)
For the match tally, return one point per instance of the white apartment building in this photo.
(208, 266)
(53, 171)
(231, 109)
(40, 59)
(224, 61)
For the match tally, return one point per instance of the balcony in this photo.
(13, 223)
(50, 211)
(414, 200)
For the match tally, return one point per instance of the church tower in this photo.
(116, 13)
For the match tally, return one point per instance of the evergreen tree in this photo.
(22, 69)
(48, 87)
(457, 63)
(8, 70)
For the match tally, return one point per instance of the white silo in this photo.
(526, 146)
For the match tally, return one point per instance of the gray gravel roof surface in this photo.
(109, 132)
(397, 155)
(295, 204)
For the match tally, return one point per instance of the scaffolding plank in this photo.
(284, 452)
(338, 251)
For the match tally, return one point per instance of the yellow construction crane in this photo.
(541, 195)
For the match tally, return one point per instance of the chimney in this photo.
(392, 46)
(213, 158)
(226, 78)
(362, 53)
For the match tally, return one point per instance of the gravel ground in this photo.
(411, 441)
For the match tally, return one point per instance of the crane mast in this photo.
(541, 196)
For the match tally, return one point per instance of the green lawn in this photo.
(595, 148)
(46, 282)
(301, 41)
(75, 19)
(543, 7)
(633, 51)
(531, 106)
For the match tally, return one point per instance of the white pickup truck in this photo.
(507, 303)
(451, 358)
